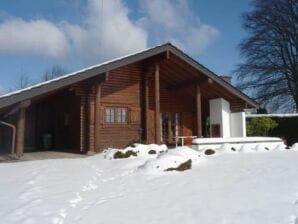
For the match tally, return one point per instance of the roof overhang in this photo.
(101, 69)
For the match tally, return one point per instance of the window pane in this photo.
(108, 115)
(112, 116)
(119, 115)
(123, 116)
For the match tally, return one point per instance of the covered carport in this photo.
(54, 121)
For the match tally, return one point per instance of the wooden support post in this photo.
(199, 111)
(91, 98)
(157, 105)
(170, 135)
(147, 120)
(83, 123)
(20, 141)
(97, 115)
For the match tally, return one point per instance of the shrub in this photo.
(133, 142)
(182, 167)
(260, 126)
(233, 149)
(152, 152)
(209, 152)
(121, 155)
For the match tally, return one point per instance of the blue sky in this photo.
(35, 35)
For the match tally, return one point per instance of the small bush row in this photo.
(123, 155)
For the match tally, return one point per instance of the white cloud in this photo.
(107, 32)
(173, 20)
(36, 37)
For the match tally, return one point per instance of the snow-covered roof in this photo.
(102, 68)
(272, 115)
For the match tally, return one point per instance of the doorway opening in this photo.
(170, 127)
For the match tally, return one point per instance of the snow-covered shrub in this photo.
(209, 152)
(139, 150)
(152, 151)
(134, 143)
(171, 159)
(182, 167)
(123, 155)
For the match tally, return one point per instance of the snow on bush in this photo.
(144, 151)
(182, 167)
(209, 152)
(173, 158)
(124, 155)
(158, 158)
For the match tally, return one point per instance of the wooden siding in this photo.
(121, 89)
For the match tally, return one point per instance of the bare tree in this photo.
(22, 82)
(270, 67)
(52, 73)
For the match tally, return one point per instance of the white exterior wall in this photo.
(231, 124)
(220, 114)
(225, 128)
(238, 124)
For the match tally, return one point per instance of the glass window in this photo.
(175, 124)
(110, 115)
(116, 115)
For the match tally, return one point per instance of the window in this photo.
(121, 115)
(110, 115)
(116, 115)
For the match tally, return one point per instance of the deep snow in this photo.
(228, 187)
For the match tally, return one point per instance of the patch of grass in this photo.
(152, 152)
(182, 167)
(209, 152)
(127, 154)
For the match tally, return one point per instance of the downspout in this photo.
(13, 127)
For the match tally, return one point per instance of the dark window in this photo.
(215, 130)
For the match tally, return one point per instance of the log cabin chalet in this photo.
(151, 96)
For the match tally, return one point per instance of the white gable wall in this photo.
(220, 114)
(231, 124)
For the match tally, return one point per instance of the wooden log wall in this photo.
(122, 89)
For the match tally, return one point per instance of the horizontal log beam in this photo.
(197, 81)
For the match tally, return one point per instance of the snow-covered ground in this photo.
(251, 186)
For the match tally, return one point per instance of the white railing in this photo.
(182, 139)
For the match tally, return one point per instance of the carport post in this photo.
(20, 140)
(199, 111)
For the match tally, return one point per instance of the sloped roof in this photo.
(69, 79)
